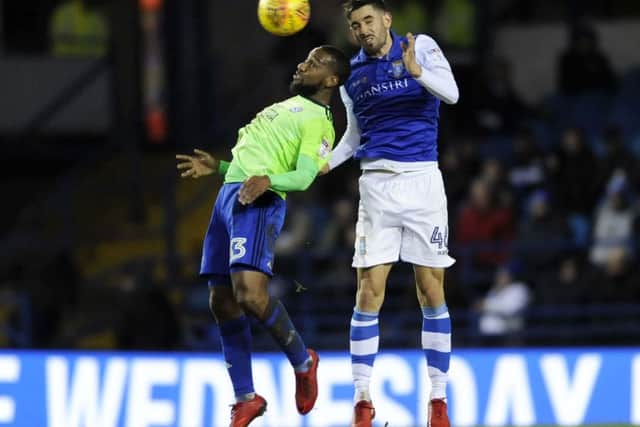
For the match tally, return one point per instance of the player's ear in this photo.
(387, 19)
(331, 81)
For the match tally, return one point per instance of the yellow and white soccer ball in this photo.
(283, 17)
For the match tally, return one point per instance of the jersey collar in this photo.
(327, 108)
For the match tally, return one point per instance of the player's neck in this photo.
(386, 47)
(322, 97)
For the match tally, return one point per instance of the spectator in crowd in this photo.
(616, 156)
(485, 226)
(492, 172)
(615, 221)
(571, 170)
(542, 233)
(583, 66)
(527, 170)
(501, 310)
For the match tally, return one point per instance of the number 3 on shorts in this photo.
(237, 249)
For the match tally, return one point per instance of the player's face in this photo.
(370, 27)
(311, 74)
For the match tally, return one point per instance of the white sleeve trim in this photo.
(350, 139)
(436, 75)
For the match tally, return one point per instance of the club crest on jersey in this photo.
(397, 68)
(296, 109)
(324, 149)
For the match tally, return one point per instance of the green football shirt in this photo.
(289, 141)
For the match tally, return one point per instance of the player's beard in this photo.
(374, 48)
(299, 88)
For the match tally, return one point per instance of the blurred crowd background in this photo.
(100, 240)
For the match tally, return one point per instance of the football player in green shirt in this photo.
(281, 150)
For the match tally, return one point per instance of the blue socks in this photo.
(278, 323)
(235, 335)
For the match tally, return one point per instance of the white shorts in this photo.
(402, 217)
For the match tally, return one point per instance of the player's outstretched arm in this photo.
(199, 164)
(426, 62)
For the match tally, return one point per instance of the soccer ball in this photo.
(283, 17)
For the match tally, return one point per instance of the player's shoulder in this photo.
(297, 105)
(305, 109)
(425, 41)
(355, 60)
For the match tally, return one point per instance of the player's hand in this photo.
(200, 164)
(253, 188)
(409, 56)
(324, 169)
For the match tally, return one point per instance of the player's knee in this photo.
(370, 294)
(222, 304)
(430, 279)
(430, 284)
(251, 300)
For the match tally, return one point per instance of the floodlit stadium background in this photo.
(103, 320)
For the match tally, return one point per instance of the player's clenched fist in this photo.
(200, 164)
(253, 188)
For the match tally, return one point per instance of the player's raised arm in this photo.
(200, 164)
(426, 62)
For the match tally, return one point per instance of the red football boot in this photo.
(363, 414)
(307, 385)
(438, 414)
(242, 413)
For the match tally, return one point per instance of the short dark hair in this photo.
(351, 5)
(340, 64)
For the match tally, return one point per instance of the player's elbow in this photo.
(306, 181)
(452, 97)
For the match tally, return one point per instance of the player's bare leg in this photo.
(372, 282)
(429, 286)
(364, 337)
(436, 338)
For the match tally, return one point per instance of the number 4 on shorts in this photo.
(438, 237)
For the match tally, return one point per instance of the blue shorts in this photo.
(241, 237)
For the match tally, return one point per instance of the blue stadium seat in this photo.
(580, 229)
